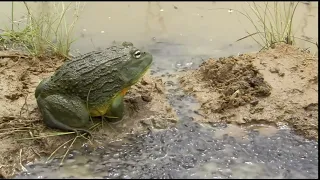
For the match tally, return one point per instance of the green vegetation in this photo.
(46, 30)
(273, 23)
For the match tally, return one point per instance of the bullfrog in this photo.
(93, 84)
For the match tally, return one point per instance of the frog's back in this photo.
(94, 74)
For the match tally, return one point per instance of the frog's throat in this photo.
(141, 74)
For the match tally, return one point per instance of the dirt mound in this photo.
(238, 81)
(275, 87)
(146, 108)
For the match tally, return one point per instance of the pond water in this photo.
(204, 27)
(181, 35)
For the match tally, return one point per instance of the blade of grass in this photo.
(46, 136)
(55, 151)
(49, 25)
(12, 23)
(245, 37)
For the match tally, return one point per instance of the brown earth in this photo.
(275, 87)
(146, 106)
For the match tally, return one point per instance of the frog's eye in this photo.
(137, 54)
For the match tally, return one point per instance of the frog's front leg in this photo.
(63, 112)
(116, 110)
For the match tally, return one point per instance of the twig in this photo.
(52, 135)
(23, 168)
(58, 149)
(10, 129)
(10, 132)
(36, 153)
(13, 56)
(65, 154)
(83, 136)
(109, 124)
(25, 104)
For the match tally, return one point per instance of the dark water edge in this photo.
(190, 151)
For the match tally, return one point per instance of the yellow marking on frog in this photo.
(124, 91)
(104, 108)
(99, 111)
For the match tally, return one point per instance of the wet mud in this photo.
(274, 87)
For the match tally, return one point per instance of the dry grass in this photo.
(46, 28)
(273, 23)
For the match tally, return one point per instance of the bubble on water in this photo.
(189, 64)
(84, 30)
(102, 32)
(161, 10)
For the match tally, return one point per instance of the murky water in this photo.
(209, 28)
(191, 151)
(181, 35)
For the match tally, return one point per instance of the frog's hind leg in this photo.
(40, 87)
(63, 112)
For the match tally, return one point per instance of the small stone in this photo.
(146, 98)
(281, 74)
(274, 70)
(172, 120)
(168, 109)
(254, 102)
(144, 82)
(159, 88)
(241, 121)
(159, 124)
(146, 122)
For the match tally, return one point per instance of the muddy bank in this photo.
(146, 108)
(276, 87)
